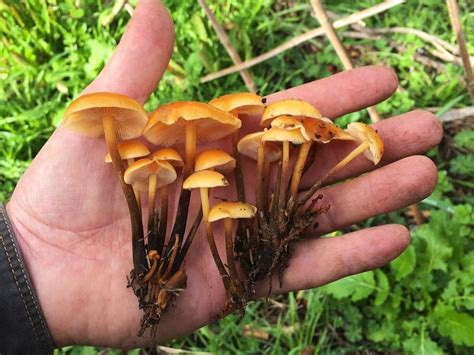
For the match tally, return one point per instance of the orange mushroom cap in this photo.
(248, 146)
(243, 103)
(289, 107)
(215, 159)
(167, 124)
(205, 178)
(85, 115)
(290, 123)
(139, 172)
(324, 130)
(168, 154)
(130, 149)
(232, 209)
(275, 134)
(364, 133)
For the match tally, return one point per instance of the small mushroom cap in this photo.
(362, 133)
(290, 123)
(244, 103)
(232, 209)
(205, 178)
(215, 159)
(168, 154)
(248, 146)
(139, 172)
(130, 150)
(323, 130)
(167, 124)
(85, 114)
(290, 107)
(275, 134)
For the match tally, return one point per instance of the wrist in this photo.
(43, 275)
(22, 327)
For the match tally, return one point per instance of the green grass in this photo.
(51, 49)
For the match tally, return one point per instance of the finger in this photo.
(142, 55)
(339, 94)
(319, 261)
(345, 92)
(387, 189)
(404, 135)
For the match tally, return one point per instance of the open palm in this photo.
(73, 225)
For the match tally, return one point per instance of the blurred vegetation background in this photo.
(423, 302)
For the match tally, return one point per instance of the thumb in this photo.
(142, 55)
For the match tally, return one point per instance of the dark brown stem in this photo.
(189, 239)
(215, 255)
(183, 205)
(163, 219)
(138, 242)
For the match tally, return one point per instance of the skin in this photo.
(73, 229)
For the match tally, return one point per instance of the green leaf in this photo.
(382, 332)
(84, 350)
(404, 264)
(465, 139)
(463, 164)
(435, 240)
(421, 345)
(455, 325)
(382, 287)
(356, 287)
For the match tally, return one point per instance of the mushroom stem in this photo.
(138, 243)
(284, 175)
(205, 202)
(210, 237)
(229, 246)
(266, 182)
(152, 270)
(183, 204)
(239, 179)
(215, 255)
(347, 159)
(135, 190)
(152, 238)
(190, 149)
(260, 161)
(189, 239)
(298, 170)
(276, 191)
(163, 218)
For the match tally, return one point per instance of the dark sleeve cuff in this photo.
(23, 329)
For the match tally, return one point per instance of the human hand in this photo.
(72, 221)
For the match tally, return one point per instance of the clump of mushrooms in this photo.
(261, 240)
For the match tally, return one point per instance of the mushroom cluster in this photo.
(266, 221)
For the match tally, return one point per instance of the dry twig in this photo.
(338, 47)
(457, 28)
(295, 41)
(458, 114)
(225, 40)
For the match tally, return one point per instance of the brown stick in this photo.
(457, 28)
(225, 40)
(338, 46)
(295, 41)
(457, 114)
